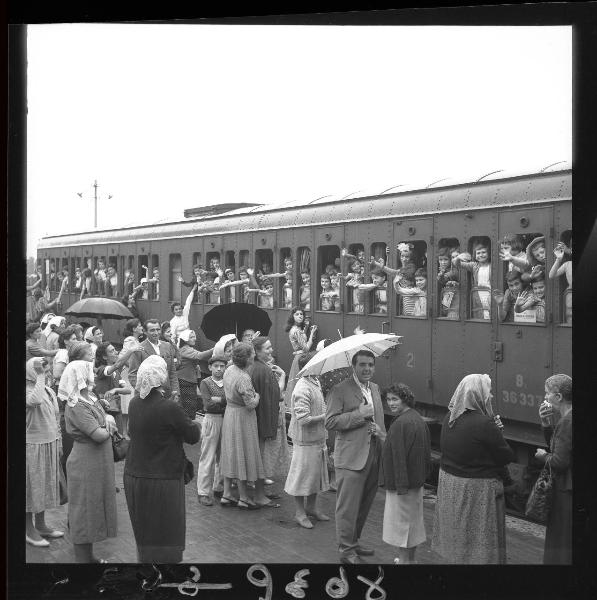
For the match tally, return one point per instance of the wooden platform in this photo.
(215, 534)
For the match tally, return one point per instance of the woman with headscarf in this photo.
(94, 336)
(90, 466)
(224, 347)
(42, 450)
(187, 371)
(470, 521)
(308, 473)
(155, 463)
(240, 456)
(55, 324)
(133, 332)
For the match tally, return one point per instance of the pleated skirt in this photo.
(240, 455)
(157, 511)
(470, 520)
(41, 477)
(308, 472)
(403, 524)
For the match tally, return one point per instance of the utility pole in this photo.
(80, 194)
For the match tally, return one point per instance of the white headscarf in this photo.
(77, 375)
(89, 334)
(472, 393)
(185, 335)
(152, 373)
(221, 345)
(53, 321)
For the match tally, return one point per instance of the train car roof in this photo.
(486, 192)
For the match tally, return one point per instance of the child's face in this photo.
(325, 283)
(335, 280)
(378, 280)
(506, 246)
(244, 275)
(405, 255)
(265, 268)
(356, 267)
(111, 271)
(230, 276)
(539, 289)
(361, 255)
(421, 282)
(156, 273)
(382, 261)
(101, 265)
(515, 286)
(306, 278)
(539, 252)
(444, 262)
(217, 369)
(481, 255)
(288, 263)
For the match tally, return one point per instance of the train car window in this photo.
(229, 260)
(354, 276)
(475, 274)
(264, 269)
(142, 269)
(52, 275)
(523, 276)
(112, 288)
(243, 259)
(213, 277)
(448, 280)
(285, 278)
(153, 278)
(410, 280)
(100, 276)
(175, 273)
(303, 278)
(328, 261)
(75, 275)
(129, 281)
(377, 288)
(561, 270)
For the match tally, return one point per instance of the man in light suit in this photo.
(153, 345)
(355, 413)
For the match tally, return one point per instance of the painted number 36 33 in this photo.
(521, 398)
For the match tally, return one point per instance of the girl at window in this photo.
(481, 270)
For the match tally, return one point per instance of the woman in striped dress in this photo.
(300, 343)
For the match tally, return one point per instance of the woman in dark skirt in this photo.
(154, 468)
(558, 534)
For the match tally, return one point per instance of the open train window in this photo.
(153, 277)
(448, 280)
(561, 270)
(196, 275)
(285, 286)
(128, 281)
(229, 260)
(410, 283)
(475, 276)
(213, 278)
(175, 272)
(99, 276)
(328, 257)
(264, 268)
(303, 277)
(112, 288)
(75, 275)
(523, 278)
(377, 288)
(64, 274)
(142, 269)
(353, 270)
(52, 277)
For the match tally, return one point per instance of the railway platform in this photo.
(270, 535)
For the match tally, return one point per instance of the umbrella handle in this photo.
(99, 321)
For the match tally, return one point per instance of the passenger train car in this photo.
(439, 347)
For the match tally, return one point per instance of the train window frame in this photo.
(97, 288)
(154, 288)
(199, 297)
(265, 256)
(74, 262)
(451, 245)
(284, 254)
(325, 254)
(417, 245)
(142, 259)
(298, 280)
(467, 295)
(174, 271)
(112, 262)
(560, 284)
(351, 292)
(526, 239)
(213, 298)
(370, 295)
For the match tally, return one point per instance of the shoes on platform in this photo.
(205, 501)
(364, 550)
(52, 534)
(227, 502)
(38, 543)
(218, 493)
(247, 505)
(351, 559)
(304, 522)
(318, 515)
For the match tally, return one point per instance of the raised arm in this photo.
(186, 309)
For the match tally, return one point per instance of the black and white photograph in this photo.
(298, 295)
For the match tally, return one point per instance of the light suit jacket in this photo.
(352, 442)
(166, 352)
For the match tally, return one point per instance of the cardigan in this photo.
(157, 428)
(474, 447)
(268, 410)
(560, 457)
(406, 453)
(209, 389)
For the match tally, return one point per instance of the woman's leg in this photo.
(30, 530)
(227, 487)
(299, 502)
(404, 556)
(312, 508)
(243, 495)
(42, 527)
(260, 497)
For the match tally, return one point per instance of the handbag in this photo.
(541, 497)
(120, 446)
(189, 470)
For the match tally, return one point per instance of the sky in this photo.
(168, 117)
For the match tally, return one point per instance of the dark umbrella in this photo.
(99, 308)
(234, 317)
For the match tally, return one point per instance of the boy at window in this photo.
(197, 278)
(506, 301)
(305, 291)
(533, 299)
(112, 281)
(327, 294)
(535, 258)
(414, 299)
(354, 280)
(448, 284)
(379, 286)
(511, 252)
(481, 271)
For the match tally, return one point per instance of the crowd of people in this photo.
(161, 392)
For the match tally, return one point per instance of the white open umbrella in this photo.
(340, 353)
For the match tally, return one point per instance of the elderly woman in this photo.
(240, 456)
(406, 464)
(187, 371)
(470, 522)
(558, 535)
(308, 472)
(225, 345)
(90, 466)
(42, 452)
(155, 464)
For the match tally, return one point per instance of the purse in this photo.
(540, 499)
(120, 446)
(189, 470)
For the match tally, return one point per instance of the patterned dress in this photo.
(299, 342)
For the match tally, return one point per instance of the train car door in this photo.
(561, 293)
(191, 253)
(264, 262)
(523, 357)
(327, 313)
(447, 340)
(411, 363)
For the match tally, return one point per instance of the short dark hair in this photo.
(513, 240)
(64, 335)
(31, 327)
(290, 320)
(562, 384)
(37, 293)
(216, 358)
(513, 274)
(421, 273)
(174, 305)
(130, 325)
(151, 321)
(259, 342)
(362, 352)
(402, 391)
(241, 354)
